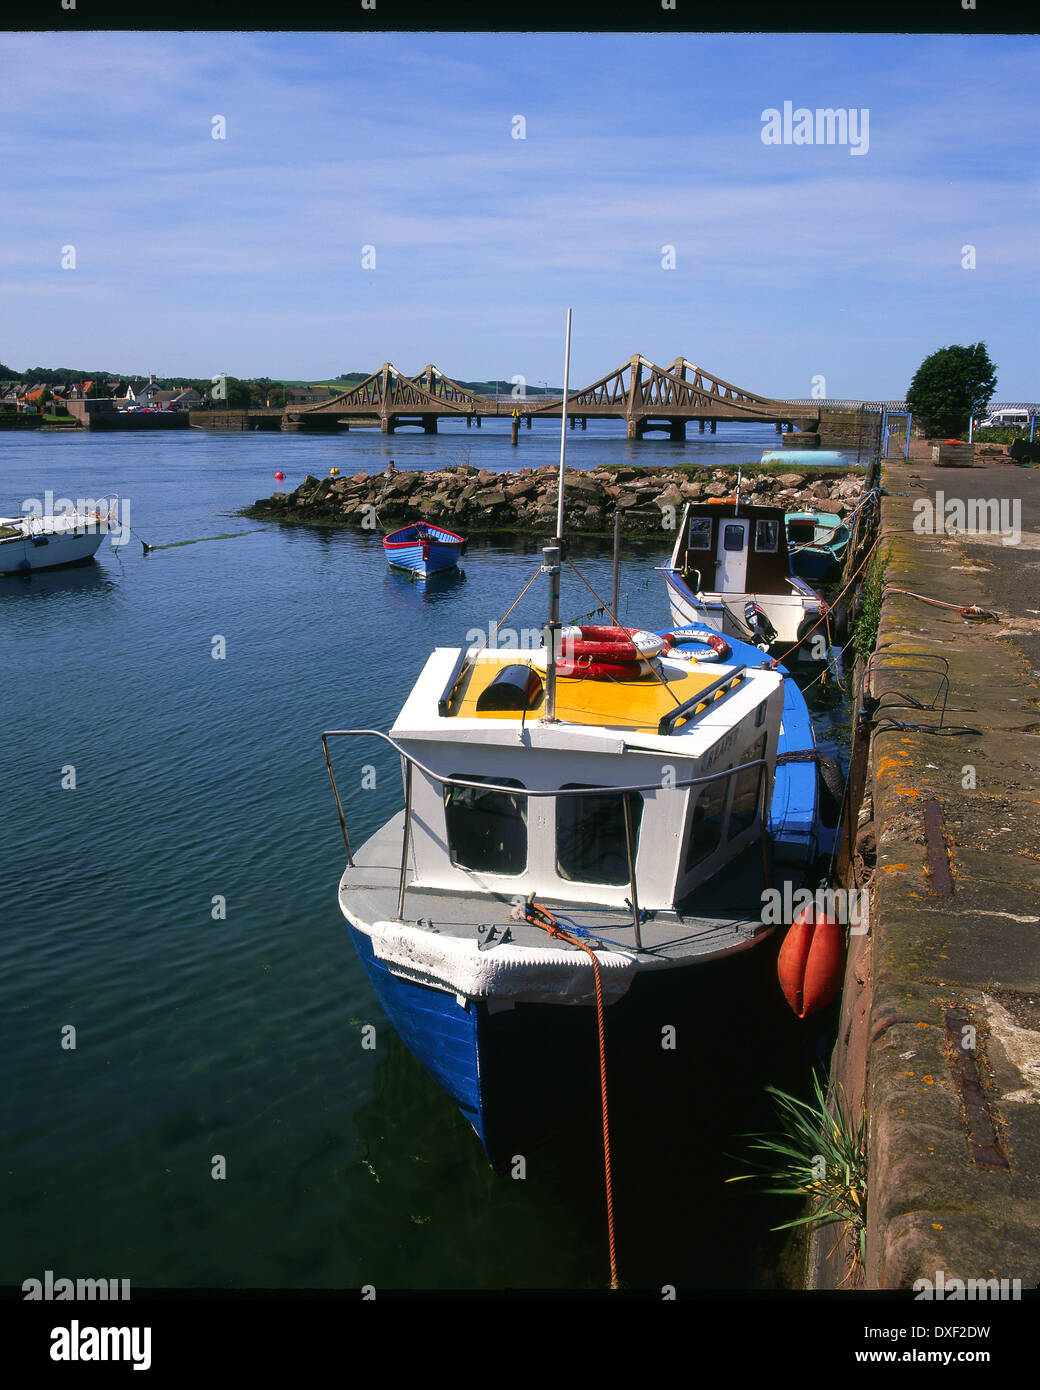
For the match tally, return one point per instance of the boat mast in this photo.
(554, 553)
(563, 431)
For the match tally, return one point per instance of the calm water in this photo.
(241, 1037)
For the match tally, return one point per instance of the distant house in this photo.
(309, 395)
(183, 398)
(143, 393)
(78, 391)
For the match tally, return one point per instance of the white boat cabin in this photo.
(481, 719)
(730, 549)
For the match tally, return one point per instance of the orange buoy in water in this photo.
(811, 964)
(279, 477)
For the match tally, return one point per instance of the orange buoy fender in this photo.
(811, 965)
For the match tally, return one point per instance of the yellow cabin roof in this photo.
(631, 704)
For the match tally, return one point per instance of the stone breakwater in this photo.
(482, 501)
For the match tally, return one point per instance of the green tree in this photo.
(237, 395)
(950, 386)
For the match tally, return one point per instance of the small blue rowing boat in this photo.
(423, 549)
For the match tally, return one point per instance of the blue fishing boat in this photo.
(423, 549)
(816, 543)
(516, 828)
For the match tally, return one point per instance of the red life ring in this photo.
(625, 645)
(585, 668)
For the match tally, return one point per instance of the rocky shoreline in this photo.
(481, 501)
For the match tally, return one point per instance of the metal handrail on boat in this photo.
(710, 695)
(624, 792)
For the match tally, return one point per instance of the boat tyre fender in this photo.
(720, 648)
(811, 623)
(831, 790)
(839, 620)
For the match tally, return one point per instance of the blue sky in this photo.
(195, 255)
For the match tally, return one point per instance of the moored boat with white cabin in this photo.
(730, 568)
(36, 542)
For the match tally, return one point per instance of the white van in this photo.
(1007, 420)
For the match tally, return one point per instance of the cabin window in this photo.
(700, 533)
(767, 535)
(745, 791)
(487, 831)
(590, 836)
(733, 538)
(706, 826)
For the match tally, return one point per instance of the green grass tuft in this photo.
(864, 634)
(820, 1156)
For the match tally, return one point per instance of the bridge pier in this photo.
(387, 424)
(713, 424)
(429, 424)
(677, 432)
(528, 422)
(700, 426)
(584, 422)
(469, 421)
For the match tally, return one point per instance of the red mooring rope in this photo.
(541, 917)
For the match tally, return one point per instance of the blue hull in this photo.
(435, 1028)
(528, 1075)
(439, 557)
(814, 564)
(423, 549)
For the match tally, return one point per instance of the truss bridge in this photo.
(647, 397)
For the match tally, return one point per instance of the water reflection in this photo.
(88, 579)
